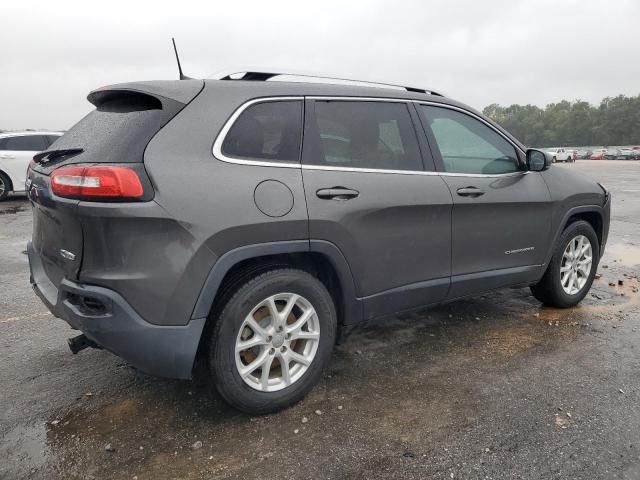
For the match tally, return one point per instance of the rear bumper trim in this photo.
(163, 350)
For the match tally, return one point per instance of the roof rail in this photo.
(255, 75)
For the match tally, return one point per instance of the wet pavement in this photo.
(491, 387)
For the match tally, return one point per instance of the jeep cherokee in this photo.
(249, 222)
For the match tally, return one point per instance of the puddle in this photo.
(623, 253)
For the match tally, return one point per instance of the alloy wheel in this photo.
(277, 342)
(576, 264)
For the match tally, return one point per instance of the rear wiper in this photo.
(45, 157)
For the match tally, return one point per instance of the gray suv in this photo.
(250, 223)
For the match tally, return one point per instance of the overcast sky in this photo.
(478, 51)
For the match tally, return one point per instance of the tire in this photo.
(5, 186)
(286, 286)
(550, 290)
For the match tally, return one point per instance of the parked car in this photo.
(625, 154)
(612, 154)
(561, 155)
(635, 151)
(583, 154)
(598, 154)
(16, 151)
(319, 207)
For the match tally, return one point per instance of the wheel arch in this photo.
(592, 214)
(316, 256)
(11, 187)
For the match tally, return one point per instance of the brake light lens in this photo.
(93, 182)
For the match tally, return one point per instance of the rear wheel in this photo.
(572, 268)
(272, 340)
(5, 186)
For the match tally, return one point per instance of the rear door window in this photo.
(363, 134)
(25, 143)
(269, 131)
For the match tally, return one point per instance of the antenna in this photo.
(182, 75)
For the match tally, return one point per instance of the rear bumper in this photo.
(108, 320)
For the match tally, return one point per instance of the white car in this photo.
(561, 155)
(16, 151)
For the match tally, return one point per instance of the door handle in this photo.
(470, 192)
(337, 193)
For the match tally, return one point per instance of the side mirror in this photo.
(537, 160)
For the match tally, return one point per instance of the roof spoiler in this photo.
(160, 90)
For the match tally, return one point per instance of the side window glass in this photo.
(26, 143)
(365, 134)
(467, 145)
(269, 131)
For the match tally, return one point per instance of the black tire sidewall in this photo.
(573, 230)
(222, 355)
(7, 186)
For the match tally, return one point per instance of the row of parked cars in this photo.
(625, 153)
(611, 153)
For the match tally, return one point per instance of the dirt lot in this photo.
(492, 387)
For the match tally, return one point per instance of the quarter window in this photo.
(26, 143)
(467, 145)
(268, 131)
(364, 134)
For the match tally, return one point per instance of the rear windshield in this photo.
(119, 129)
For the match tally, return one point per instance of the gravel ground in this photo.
(491, 387)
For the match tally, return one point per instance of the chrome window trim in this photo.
(368, 170)
(217, 145)
(410, 172)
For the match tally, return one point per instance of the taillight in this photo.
(94, 182)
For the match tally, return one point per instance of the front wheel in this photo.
(572, 268)
(272, 340)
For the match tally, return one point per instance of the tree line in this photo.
(616, 121)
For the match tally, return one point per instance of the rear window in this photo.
(119, 129)
(269, 131)
(378, 135)
(26, 143)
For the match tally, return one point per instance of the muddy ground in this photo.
(491, 387)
